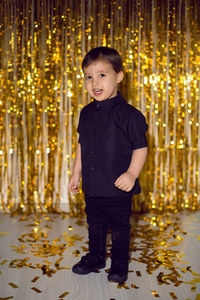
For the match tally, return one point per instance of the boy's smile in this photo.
(101, 80)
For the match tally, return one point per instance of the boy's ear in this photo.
(120, 76)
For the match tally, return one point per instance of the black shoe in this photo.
(118, 273)
(89, 263)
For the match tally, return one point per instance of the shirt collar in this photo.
(108, 103)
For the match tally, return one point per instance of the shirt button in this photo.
(92, 168)
(92, 152)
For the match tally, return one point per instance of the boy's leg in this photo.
(118, 216)
(97, 233)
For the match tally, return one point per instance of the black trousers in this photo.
(109, 213)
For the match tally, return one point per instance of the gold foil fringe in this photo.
(42, 44)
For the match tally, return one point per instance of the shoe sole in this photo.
(80, 272)
(114, 279)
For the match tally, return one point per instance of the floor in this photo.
(37, 253)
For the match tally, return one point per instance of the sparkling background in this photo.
(42, 44)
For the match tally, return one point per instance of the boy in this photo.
(111, 152)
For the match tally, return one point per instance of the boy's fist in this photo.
(125, 182)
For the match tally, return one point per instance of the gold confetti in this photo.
(23, 218)
(13, 285)
(36, 290)
(4, 233)
(85, 249)
(155, 294)
(35, 279)
(19, 263)
(138, 273)
(193, 288)
(70, 228)
(134, 286)
(47, 271)
(79, 222)
(58, 261)
(195, 274)
(7, 298)
(162, 278)
(173, 295)
(3, 262)
(47, 262)
(64, 216)
(122, 285)
(64, 294)
(76, 253)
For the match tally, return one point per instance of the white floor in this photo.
(37, 253)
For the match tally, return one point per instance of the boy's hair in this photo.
(107, 54)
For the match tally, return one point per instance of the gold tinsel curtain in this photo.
(42, 44)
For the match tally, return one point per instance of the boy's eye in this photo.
(87, 77)
(102, 75)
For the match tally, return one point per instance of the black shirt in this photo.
(109, 131)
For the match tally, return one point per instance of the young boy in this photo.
(111, 152)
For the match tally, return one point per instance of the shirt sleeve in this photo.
(137, 128)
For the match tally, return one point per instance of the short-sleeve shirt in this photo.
(109, 131)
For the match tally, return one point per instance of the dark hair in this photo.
(110, 55)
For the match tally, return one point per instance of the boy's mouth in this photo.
(98, 91)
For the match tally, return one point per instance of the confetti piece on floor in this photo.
(47, 271)
(13, 285)
(85, 249)
(138, 273)
(193, 288)
(76, 253)
(63, 295)
(134, 286)
(23, 218)
(57, 265)
(173, 295)
(35, 279)
(195, 274)
(47, 262)
(122, 285)
(79, 222)
(36, 290)
(3, 262)
(155, 294)
(4, 233)
(7, 298)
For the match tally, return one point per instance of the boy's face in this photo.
(101, 80)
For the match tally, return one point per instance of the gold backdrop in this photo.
(42, 44)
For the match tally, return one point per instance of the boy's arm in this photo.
(126, 181)
(76, 173)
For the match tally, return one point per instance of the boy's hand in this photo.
(73, 184)
(125, 182)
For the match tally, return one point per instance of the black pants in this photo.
(113, 213)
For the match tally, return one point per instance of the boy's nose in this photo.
(95, 81)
